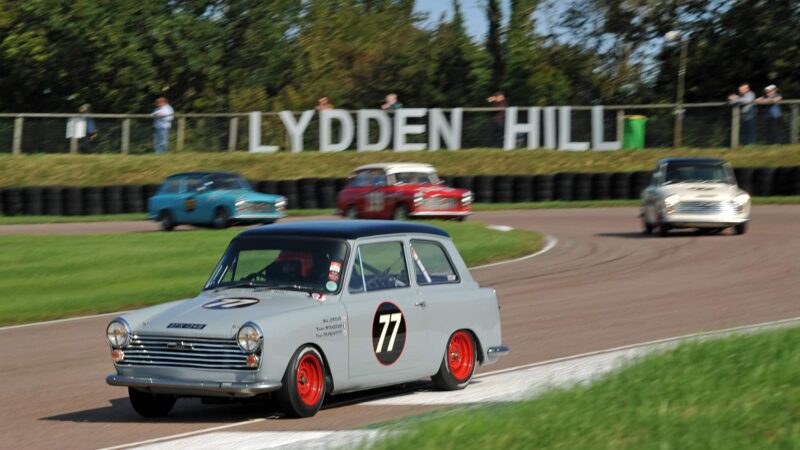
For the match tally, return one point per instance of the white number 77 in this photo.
(385, 319)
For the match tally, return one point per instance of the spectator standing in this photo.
(324, 104)
(391, 103)
(746, 100)
(83, 129)
(772, 97)
(162, 122)
(498, 125)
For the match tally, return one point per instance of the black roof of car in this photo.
(692, 160)
(201, 174)
(343, 229)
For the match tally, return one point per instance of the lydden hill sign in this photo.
(442, 132)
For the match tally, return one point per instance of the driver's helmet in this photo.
(305, 259)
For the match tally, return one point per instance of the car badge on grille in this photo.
(181, 346)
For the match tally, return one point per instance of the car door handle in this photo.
(421, 304)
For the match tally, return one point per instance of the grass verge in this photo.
(740, 392)
(84, 170)
(50, 277)
(12, 220)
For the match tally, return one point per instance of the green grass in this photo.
(741, 392)
(42, 169)
(12, 220)
(49, 277)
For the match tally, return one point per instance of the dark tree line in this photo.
(240, 55)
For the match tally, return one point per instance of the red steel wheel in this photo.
(458, 364)
(310, 379)
(461, 356)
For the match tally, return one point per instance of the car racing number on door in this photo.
(375, 201)
(190, 204)
(388, 333)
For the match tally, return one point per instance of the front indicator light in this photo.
(117, 355)
(252, 360)
(670, 203)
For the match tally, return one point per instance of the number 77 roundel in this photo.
(388, 333)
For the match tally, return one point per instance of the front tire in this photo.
(400, 212)
(165, 221)
(663, 229)
(151, 405)
(459, 362)
(221, 219)
(741, 228)
(303, 384)
(352, 212)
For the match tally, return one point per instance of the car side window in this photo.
(432, 264)
(362, 179)
(379, 266)
(193, 184)
(171, 186)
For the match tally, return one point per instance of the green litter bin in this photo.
(633, 134)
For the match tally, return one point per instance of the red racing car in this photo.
(399, 191)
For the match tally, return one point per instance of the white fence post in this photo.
(126, 136)
(736, 114)
(233, 133)
(16, 145)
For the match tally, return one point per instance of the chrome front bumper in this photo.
(193, 388)
(443, 213)
(494, 353)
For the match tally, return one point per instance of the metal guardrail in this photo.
(711, 124)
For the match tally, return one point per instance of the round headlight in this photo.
(466, 198)
(118, 333)
(672, 200)
(741, 199)
(249, 337)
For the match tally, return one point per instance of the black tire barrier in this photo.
(340, 184)
(523, 188)
(763, 181)
(2, 212)
(503, 189)
(620, 185)
(583, 186)
(52, 201)
(543, 188)
(447, 180)
(795, 181)
(149, 190)
(639, 181)
(782, 181)
(601, 186)
(12, 201)
(564, 186)
(288, 189)
(112, 199)
(267, 187)
(326, 193)
(308, 193)
(484, 188)
(73, 201)
(744, 177)
(32, 201)
(92, 200)
(464, 182)
(133, 198)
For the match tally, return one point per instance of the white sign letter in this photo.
(565, 132)
(549, 127)
(439, 129)
(326, 134)
(401, 129)
(384, 130)
(254, 125)
(296, 129)
(597, 132)
(531, 129)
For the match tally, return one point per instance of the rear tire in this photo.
(741, 228)
(165, 221)
(221, 219)
(303, 384)
(151, 405)
(458, 364)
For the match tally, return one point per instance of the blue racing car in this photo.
(214, 199)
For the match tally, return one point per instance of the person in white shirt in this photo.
(162, 122)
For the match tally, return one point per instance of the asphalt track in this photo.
(604, 285)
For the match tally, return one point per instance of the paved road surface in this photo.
(603, 285)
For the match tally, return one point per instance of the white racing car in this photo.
(694, 193)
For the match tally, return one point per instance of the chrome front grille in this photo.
(198, 353)
(260, 207)
(440, 203)
(706, 207)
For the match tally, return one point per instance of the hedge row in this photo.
(310, 193)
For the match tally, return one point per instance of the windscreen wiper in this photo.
(237, 284)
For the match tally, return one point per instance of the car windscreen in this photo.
(282, 262)
(226, 182)
(415, 178)
(698, 173)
